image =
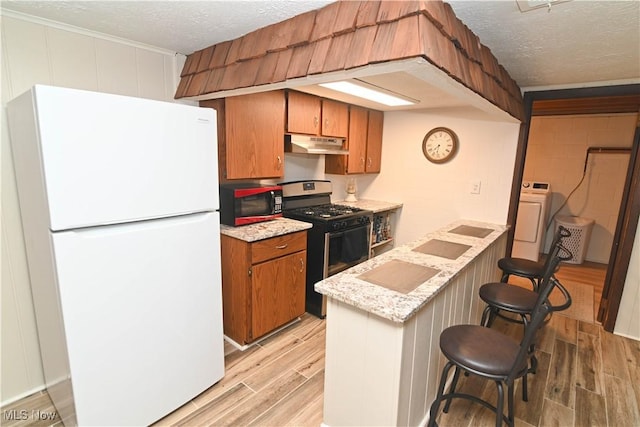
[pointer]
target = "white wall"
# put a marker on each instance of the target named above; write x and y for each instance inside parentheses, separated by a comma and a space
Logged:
(33, 52)
(433, 195)
(627, 323)
(556, 154)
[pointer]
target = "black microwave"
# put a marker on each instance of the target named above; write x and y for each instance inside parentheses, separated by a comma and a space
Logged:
(242, 204)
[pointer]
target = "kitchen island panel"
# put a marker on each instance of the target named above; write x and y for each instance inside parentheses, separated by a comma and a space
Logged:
(363, 353)
(383, 372)
(416, 391)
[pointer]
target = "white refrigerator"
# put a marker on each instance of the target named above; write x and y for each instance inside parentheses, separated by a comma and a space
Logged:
(119, 200)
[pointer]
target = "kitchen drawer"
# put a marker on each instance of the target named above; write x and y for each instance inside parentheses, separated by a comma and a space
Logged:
(275, 247)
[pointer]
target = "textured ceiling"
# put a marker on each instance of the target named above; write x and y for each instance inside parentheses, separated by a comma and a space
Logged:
(575, 43)
(182, 26)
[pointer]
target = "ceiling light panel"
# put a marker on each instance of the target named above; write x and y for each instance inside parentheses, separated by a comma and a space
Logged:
(361, 91)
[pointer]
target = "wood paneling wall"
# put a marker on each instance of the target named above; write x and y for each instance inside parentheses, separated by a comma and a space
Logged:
(587, 105)
(351, 34)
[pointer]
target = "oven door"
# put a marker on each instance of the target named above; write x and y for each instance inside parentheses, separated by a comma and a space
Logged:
(344, 249)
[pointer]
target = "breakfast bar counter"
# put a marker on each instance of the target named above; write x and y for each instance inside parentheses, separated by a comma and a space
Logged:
(384, 319)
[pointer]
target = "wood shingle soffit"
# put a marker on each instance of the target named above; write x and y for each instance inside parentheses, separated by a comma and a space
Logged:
(350, 34)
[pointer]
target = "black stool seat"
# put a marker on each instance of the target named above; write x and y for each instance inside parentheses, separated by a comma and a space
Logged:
(508, 297)
(475, 349)
(532, 270)
(522, 267)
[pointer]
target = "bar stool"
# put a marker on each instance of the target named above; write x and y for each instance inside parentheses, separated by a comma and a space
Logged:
(527, 268)
(492, 355)
(509, 298)
(515, 299)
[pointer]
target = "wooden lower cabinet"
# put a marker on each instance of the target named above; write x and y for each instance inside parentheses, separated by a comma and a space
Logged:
(263, 284)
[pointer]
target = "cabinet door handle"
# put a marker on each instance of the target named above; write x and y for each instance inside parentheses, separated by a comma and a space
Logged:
(369, 162)
(362, 161)
(279, 162)
(301, 265)
(326, 123)
(282, 246)
(315, 121)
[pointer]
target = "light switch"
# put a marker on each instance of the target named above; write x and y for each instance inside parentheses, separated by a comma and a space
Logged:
(474, 186)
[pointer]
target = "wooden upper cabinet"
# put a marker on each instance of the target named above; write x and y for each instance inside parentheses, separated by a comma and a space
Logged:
(357, 141)
(374, 142)
(335, 118)
(312, 115)
(250, 135)
(303, 113)
(364, 144)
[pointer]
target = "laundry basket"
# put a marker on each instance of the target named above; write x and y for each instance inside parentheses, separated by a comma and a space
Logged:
(580, 229)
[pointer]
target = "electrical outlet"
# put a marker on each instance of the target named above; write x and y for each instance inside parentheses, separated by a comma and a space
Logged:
(474, 186)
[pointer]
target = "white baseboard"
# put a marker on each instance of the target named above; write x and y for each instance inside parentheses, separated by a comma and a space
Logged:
(246, 346)
(28, 393)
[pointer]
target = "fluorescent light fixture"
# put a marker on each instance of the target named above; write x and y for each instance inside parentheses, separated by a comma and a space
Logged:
(367, 93)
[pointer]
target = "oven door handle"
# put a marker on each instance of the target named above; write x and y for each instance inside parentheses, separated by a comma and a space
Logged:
(325, 267)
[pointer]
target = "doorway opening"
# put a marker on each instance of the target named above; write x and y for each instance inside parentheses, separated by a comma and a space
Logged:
(611, 101)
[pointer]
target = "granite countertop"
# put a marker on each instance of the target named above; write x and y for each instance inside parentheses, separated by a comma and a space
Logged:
(398, 306)
(264, 230)
(371, 205)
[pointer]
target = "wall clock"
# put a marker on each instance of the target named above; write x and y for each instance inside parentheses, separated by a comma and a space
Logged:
(440, 145)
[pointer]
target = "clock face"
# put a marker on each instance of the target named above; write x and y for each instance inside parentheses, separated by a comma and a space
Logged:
(440, 145)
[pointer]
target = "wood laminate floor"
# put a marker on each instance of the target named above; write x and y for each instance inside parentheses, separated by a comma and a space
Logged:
(586, 377)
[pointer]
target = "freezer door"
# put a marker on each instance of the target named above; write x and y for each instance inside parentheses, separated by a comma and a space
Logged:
(142, 313)
(110, 159)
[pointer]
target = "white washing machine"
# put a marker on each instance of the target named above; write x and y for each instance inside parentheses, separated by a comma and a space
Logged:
(531, 221)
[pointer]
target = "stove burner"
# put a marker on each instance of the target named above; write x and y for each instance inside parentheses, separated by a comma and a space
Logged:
(326, 211)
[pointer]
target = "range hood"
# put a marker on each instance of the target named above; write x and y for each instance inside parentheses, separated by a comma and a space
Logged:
(313, 144)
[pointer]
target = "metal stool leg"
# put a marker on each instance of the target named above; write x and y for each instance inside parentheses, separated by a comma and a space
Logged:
(435, 406)
(510, 412)
(499, 406)
(454, 384)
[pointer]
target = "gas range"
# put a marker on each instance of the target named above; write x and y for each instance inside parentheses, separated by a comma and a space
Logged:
(337, 217)
(338, 239)
(326, 211)
(311, 201)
